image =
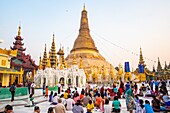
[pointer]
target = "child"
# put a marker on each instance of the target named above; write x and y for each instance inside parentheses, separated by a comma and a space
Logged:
(90, 107)
(46, 92)
(116, 105)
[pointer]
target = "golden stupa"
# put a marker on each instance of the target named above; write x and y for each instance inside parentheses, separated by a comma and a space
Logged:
(85, 48)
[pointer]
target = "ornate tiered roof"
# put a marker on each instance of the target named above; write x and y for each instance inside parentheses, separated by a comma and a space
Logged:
(53, 54)
(18, 43)
(22, 60)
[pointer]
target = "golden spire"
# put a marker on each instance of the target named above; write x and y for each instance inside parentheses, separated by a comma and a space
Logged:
(141, 61)
(74, 59)
(53, 54)
(81, 63)
(40, 64)
(19, 30)
(44, 61)
(48, 63)
(84, 8)
(84, 40)
(159, 67)
(53, 37)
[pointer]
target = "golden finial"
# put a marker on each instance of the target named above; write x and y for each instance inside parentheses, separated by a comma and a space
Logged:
(19, 30)
(84, 8)
(53, 37)
(40, 64)
(45, 48)
(140, 50)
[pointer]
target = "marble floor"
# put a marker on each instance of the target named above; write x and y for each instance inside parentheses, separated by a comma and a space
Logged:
(18, 104)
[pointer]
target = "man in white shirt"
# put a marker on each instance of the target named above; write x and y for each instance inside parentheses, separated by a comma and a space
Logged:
(69, 103)
(59, 88)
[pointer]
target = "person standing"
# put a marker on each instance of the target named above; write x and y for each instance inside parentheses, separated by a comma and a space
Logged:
(129, 99)
(69, 103)
(32, 88)
(12, 90)
(44, 85)
(59, 88)
(29, 87)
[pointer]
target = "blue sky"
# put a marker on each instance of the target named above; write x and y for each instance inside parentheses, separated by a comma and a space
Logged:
(130, 24)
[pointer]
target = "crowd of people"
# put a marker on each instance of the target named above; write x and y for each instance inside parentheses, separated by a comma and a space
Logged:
(98, 98)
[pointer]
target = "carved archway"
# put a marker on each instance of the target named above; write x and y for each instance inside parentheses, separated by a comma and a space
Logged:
(61, 81)
(69, 81)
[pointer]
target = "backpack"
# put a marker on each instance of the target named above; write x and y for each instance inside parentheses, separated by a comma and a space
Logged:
(12, 88)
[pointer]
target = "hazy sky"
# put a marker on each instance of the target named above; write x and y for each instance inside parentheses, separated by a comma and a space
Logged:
(129, 24)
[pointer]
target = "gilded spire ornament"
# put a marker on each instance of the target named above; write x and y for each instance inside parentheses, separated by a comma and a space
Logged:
(19, 30)
(44, 61)
(84, 7)
(159, 67)
(141, 60)
(40, 64)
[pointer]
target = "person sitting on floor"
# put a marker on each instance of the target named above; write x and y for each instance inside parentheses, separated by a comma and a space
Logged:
(155, 104)
(55, 99)
(166, 99)
(140, 93)
(98, 101)
(51, 96)
(148, 93)
(90, 107)
(143, 87)
(6, 109)
(116, 105)
(148, 107)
